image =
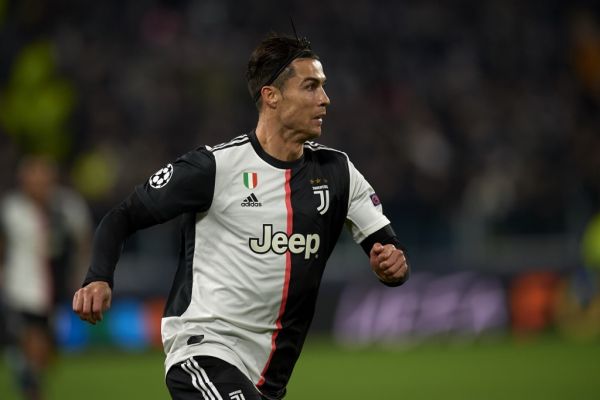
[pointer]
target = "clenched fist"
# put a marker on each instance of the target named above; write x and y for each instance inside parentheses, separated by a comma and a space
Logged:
(388, 263)
(91, 301)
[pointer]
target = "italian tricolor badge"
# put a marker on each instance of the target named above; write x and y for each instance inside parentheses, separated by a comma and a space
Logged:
(250, 179)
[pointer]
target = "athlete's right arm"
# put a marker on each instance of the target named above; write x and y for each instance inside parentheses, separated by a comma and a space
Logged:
(90, 301)
(185, 186)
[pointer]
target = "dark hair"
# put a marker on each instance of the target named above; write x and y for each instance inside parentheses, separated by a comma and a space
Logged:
(270, 60)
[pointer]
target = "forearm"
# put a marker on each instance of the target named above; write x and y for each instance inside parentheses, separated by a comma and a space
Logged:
(111, 234)
(109, 239)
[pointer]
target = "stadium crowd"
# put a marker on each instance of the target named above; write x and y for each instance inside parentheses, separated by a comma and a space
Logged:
(466, 117)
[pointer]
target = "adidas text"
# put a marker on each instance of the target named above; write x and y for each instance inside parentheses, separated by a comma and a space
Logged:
(280, 242)
(251, 201)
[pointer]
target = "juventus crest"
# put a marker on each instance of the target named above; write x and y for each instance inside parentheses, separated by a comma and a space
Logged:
(323, 192)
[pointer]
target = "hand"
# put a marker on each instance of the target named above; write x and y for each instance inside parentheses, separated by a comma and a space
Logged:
(91, 301)
(388, 263)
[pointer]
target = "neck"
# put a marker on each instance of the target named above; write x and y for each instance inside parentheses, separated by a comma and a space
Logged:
(279, 142)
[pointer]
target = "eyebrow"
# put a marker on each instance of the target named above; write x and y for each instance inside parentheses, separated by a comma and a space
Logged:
(313, 79)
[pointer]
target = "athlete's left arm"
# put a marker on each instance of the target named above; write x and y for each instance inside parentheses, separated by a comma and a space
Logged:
(387, 256)
(370, 227)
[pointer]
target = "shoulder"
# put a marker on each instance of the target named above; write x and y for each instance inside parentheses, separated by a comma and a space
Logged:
(199, 157)
(10, 197)
(14, 205)
(235, 142)
(205, 155)
(323, 152)
(69, 199)
(12, 200)
(327, 157)
(67, 195)
(72, 206)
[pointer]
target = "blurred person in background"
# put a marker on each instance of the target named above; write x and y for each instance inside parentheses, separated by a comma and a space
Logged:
(261, 215)
(45, 234)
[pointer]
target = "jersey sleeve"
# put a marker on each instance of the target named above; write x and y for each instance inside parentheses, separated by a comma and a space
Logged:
(365, 213)
(187, 185)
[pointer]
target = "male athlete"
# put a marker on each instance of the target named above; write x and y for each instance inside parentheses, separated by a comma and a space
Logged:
(45, 232)
(260, 216)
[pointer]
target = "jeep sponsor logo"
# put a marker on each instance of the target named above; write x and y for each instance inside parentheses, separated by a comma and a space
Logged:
(280, 242)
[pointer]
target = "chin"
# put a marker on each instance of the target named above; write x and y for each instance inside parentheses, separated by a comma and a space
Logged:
(307, 134)
(312, 135)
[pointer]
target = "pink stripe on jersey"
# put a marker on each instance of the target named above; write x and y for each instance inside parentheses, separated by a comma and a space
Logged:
(288, 269)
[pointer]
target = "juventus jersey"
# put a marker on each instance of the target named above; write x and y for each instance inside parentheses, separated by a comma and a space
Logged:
(257, 233)
(41, 248)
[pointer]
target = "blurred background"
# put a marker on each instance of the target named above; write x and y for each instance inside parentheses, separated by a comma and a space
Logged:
(477, 122)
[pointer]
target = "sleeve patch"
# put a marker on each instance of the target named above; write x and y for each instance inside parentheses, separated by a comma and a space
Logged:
(375, 199)
(161, 177)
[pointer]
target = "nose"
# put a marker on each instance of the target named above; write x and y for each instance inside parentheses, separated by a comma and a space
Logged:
(323, 98)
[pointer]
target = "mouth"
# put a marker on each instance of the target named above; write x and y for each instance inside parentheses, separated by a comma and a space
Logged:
(319, 117)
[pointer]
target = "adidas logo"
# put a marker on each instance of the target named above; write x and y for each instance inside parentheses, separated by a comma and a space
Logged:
(251, 201)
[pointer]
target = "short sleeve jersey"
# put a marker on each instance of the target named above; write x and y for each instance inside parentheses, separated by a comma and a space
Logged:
(40, 249)
(257, 233)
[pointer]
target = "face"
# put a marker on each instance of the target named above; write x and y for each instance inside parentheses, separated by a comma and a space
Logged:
(303, 99)
(38, 178)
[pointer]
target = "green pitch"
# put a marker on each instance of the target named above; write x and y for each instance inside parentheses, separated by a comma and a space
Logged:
(542, 369)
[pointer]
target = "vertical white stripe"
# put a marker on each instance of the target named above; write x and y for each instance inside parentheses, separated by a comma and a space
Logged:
(200, 380)
(208, 382)
(194, 379)
(203, 387)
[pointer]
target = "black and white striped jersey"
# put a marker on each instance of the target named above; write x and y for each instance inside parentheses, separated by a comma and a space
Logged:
(41, 247)
(257, 233)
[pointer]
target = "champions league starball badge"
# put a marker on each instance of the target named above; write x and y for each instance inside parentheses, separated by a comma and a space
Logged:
(161, 177)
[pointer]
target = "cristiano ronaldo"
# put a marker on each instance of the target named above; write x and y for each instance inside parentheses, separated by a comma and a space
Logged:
(260, 216)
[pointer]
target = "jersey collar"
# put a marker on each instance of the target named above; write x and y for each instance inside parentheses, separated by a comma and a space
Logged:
(270, 159)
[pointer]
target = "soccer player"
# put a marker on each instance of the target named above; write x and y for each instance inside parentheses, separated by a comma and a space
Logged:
(260, 216)
(45, 230)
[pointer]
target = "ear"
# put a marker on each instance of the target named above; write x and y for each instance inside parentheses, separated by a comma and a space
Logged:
(271, 96)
